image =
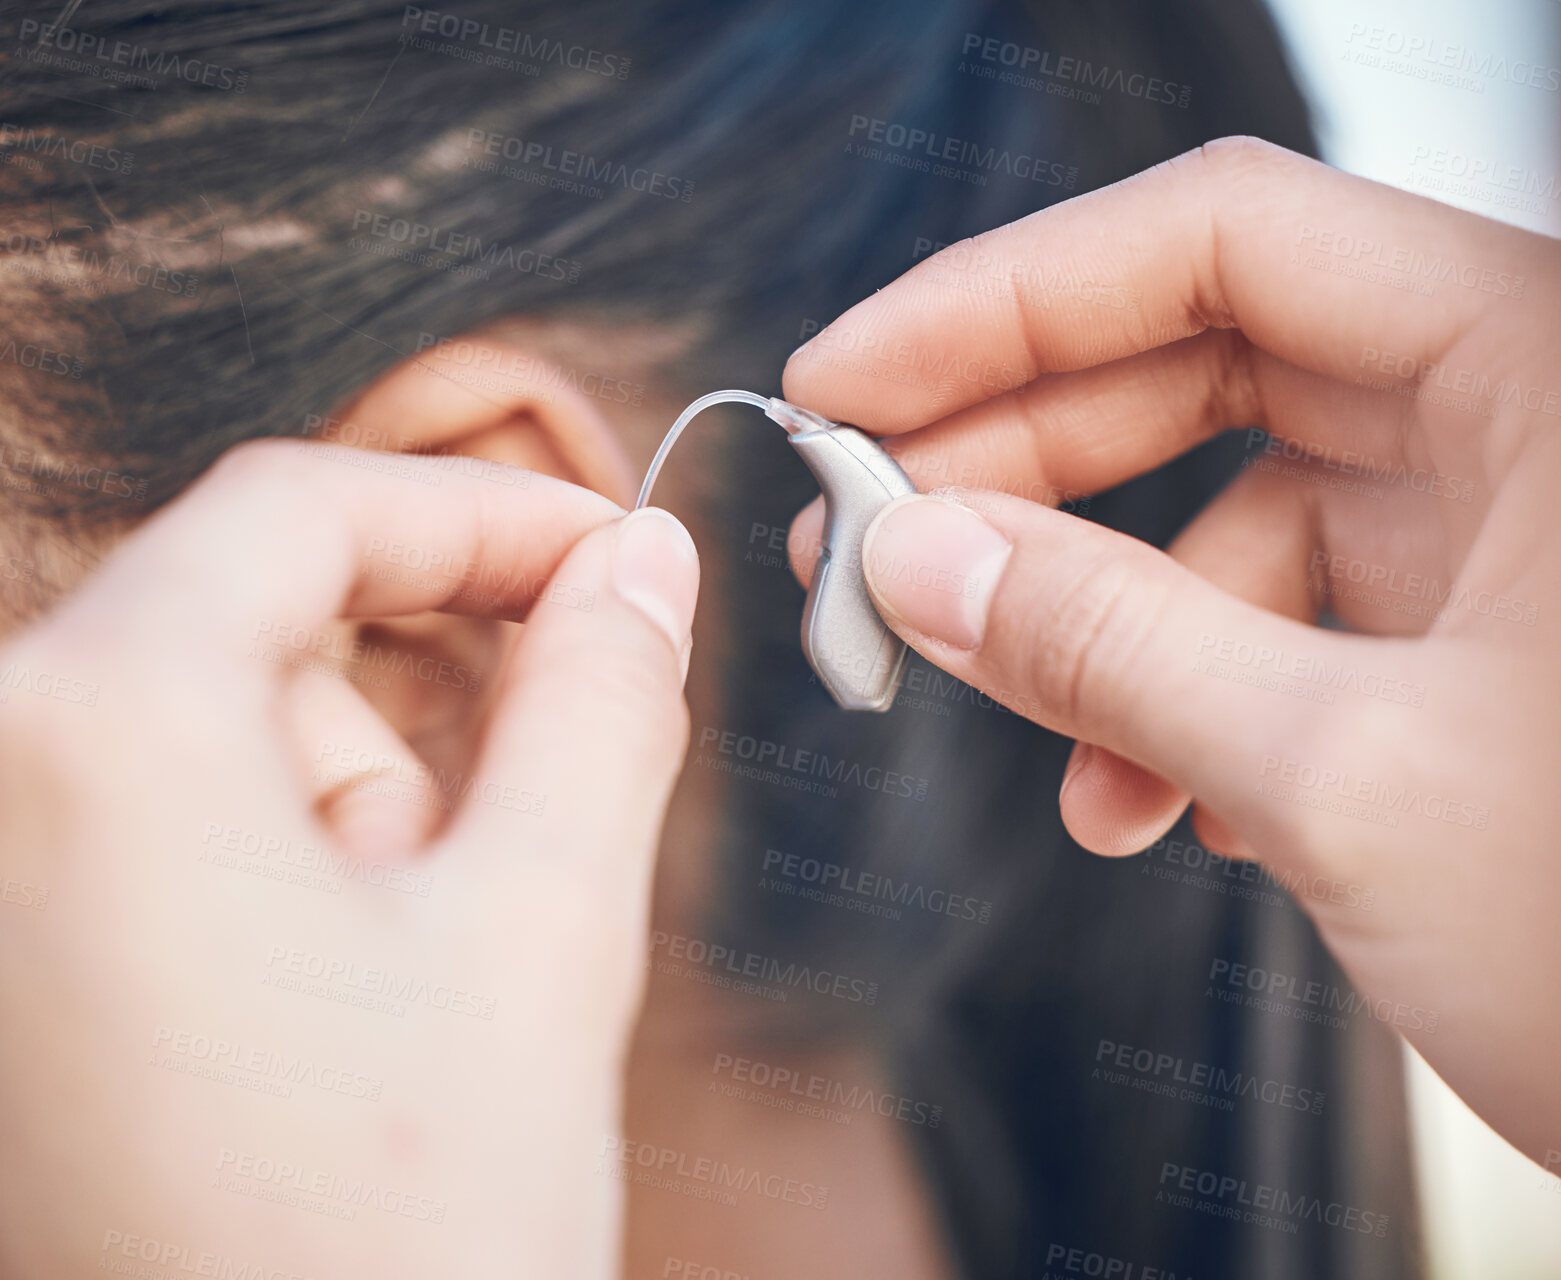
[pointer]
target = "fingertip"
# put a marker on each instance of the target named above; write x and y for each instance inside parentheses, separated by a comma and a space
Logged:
(1113, 807)
(933, 564)
(655, 568)
(590, 703)
(817, 378)
(798, 369)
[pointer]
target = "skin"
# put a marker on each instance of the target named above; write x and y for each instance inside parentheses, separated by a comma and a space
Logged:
(107, 809)
(1225, 289)
(136, 931)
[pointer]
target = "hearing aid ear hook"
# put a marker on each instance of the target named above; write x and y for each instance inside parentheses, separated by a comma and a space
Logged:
(853, 653)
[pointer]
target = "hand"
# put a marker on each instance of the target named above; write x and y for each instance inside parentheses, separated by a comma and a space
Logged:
(1402, 355)
(399, 1058)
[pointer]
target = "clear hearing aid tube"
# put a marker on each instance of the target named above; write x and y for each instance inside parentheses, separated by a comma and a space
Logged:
(684, 418)
(790, 416)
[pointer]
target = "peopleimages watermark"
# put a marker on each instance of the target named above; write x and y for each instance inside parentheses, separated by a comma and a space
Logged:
(927, 151)
(1069, 1260)
(704, 1177)
(1246, 662)
(352, 983)
(40, 471)
(302, 862)
(885, 568)
(689, 1269)
(564, 169)
(437, 569)
(539, 378)
(936, 471)
(261, 1070)
(492, 42)
(285, 643)
(460, 252)
(1064, 76)
(1490, 182)
(1170, 1075)
(1191, 864)
(1467, 390)
(932, 691)
(1396, 472)
(76, 266)
(376, 449)
(864, 891)
(963, 267)
(747, 971)
(380, 773)
(1259, 1204)
(144, 1257)
(808, 1093)
(318, 1190)
(1439, 62)
(1416, 594)
(1269, 991)
(33, 355)
(798, 768)
(21, 141)
(23, 677)
(1408, 268)
(1308, 475)
(19, 893)
(1021, 283)
(353, 435)
(1354, 795)
(896, 360)
(500, 588)
(63, 48)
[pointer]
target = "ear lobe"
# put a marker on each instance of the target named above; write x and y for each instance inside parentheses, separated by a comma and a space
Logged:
(485, 398)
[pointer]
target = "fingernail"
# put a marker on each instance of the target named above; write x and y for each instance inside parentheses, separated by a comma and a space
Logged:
(935, 564)
(656, 569)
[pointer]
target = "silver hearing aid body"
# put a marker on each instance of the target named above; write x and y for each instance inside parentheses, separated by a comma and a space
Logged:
(850, 648)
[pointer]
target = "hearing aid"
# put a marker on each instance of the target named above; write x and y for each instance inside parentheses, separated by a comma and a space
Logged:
(855, 655)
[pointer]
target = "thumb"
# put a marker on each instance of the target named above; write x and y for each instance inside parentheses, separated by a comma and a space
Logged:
(1101, 637)
(590, 717)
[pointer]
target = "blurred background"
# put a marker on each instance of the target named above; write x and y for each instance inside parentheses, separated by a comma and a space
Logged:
(1392, 102)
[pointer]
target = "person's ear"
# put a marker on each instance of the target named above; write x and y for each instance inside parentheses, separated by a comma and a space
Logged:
(429, 676)
(483, 398)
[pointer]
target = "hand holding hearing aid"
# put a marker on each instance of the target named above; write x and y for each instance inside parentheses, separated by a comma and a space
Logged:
(232, 996)
(1402, 357)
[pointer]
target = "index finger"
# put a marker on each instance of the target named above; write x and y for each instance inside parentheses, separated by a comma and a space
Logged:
(281, 532)
(1311, 264)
